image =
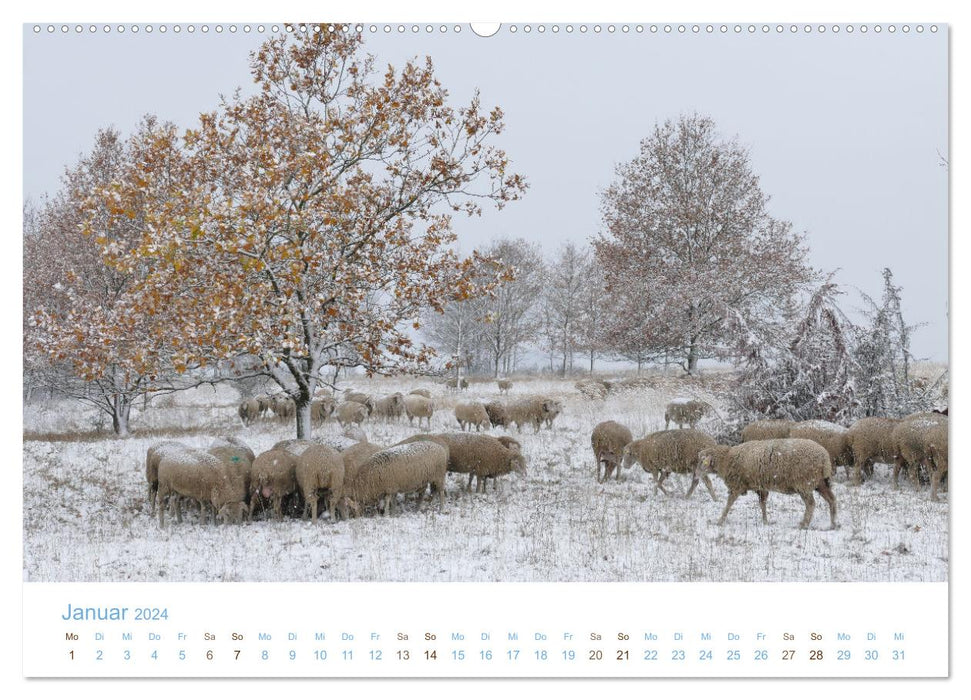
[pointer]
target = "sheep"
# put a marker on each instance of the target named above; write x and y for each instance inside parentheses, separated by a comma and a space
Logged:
(534, 411)
(272, 477)
(400, 469)
(871, 440)
(608, 440)
(909, 437)
(321, 409)
(498, 416)
(480, 456)
(829, 435)
(356, 455)
(239, 459)
(419, 407)
(786, 465)
(352, 412)
(936, 441)
(319, 467)
(360, 398)
(195, 474)
(152, 458)
(472, 413)
(766, 430)
(264, 403)
(592, 389)
(670, 451)
(685, 411)
(454, 383)
(504, 385)
(294, 446)
(249, 411)
(390, 407)
(284, 408)
(230, 441)
(420, 392)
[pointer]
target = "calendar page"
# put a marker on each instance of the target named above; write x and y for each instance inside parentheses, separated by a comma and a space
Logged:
(436, 349)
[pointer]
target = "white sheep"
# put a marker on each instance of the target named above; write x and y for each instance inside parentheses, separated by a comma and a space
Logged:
(608, 440)
(318, 468)
(419, 407)
(472, 413)
(199, 475)
(685, 412)
(787, 465)
(669, 451)
(400, 469)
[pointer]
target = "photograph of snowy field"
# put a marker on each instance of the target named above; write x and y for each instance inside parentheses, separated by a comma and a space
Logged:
(557, 524)
(322, 302)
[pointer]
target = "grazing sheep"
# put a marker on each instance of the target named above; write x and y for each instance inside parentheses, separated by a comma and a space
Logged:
(936, 440)
(273, 478)
(249, 411)
(504, 385)
(321, 409)
(152, 458)
(419, 407)
(195, 474)
(319, 468)
(354, 432)
(236, 458)
(909, 437)
(609, 439)
(400, 469)
(453, 383)
(284, 408)
(361, 398)
(766, 430)
(390, 407)
(498, 416)
(685, 411)
(787, 465)
(671, 451)
(535, 411)
(592, 389)
(420, 392)
(472, 413)
(294, 446)
(352, 412)
(829, 435)
(230, 441)
(356, 455)
(871, 440)
(480, 456)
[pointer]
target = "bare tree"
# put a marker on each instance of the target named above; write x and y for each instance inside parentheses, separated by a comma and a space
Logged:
(689, 242)
(509, 309)
(567, 279)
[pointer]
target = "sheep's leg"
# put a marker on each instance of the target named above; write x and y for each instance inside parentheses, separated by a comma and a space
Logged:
(898, 465)
(728, 506)
(810, 506)
(178, 508)
(763, 501)
(711, 489)
(152, 496)
(480, 485)
(616, 466)
(278, 506)
(692, 486)
(827, 493)
(468, 486)
(312, 502)
(163, 503)
(660, 483)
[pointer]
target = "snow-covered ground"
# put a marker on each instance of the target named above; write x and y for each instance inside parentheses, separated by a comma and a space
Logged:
(86, 516)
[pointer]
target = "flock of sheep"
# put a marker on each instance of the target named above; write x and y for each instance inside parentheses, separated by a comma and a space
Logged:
(233, 483)
(352, 475)
(779, 455)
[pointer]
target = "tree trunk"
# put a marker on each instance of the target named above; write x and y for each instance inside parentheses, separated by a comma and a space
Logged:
(693, 356)
(591, 362)
(640, 363)
(120, 410)
(303, 416)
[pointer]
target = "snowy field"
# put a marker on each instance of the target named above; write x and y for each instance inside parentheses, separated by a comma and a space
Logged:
(86, 517)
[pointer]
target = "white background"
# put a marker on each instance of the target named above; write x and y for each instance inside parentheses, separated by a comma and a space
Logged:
(601, 11)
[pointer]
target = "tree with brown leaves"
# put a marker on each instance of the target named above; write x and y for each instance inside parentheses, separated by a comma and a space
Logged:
(306, 226)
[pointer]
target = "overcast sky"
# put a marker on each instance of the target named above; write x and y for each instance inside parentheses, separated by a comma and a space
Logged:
(845, 130)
